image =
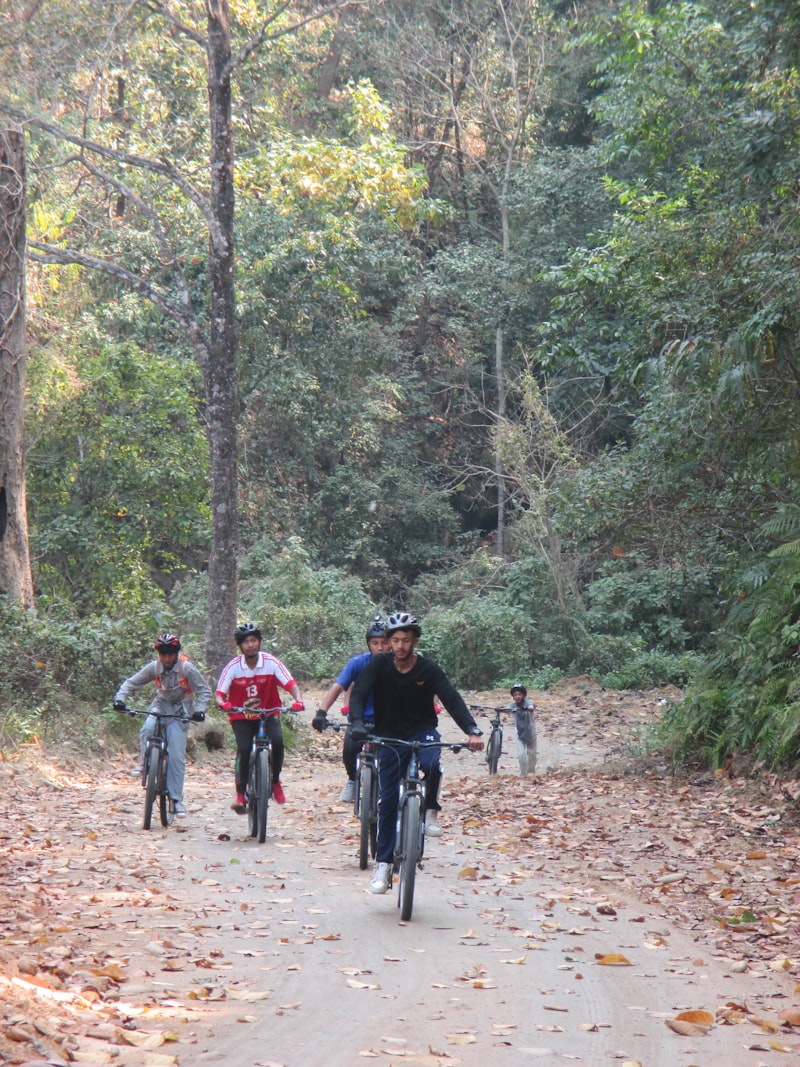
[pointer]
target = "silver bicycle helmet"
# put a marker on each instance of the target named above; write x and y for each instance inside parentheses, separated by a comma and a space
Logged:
(246, 629)
(402, 620)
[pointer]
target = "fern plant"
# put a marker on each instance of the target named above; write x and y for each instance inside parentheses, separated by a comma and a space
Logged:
(748, 700)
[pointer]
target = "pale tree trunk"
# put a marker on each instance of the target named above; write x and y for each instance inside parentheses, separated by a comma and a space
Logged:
(220, 371)
(15, 564)
(500, 366)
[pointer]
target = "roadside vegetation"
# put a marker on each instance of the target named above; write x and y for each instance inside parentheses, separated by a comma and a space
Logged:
(518, 348)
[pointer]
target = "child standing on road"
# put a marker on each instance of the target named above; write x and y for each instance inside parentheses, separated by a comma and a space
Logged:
(525, 729)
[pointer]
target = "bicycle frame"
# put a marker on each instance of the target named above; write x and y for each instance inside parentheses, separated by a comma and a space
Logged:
(410, 827)
(259, 773)
(494, 745)
(154, 767)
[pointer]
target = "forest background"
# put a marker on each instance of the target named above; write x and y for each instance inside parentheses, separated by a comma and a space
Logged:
(515, 344)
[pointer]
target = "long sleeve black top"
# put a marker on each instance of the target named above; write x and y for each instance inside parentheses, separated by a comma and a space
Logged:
(404, 702)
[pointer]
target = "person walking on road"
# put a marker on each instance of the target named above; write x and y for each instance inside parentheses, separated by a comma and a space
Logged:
(251, 681)
(376, 642)
(404, 685)
(524, 728)
(178, 682)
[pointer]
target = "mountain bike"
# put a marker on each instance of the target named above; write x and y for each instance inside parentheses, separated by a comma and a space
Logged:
(154, 766)
(259, 775)
(494, 746)
(410, 833)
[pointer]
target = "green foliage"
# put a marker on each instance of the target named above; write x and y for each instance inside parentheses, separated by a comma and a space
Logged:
(117, 472)
(477, 641)
(747, 699)
(638, 667)
(544, 677)
(652, 603)
(50, 665)
(313, 618)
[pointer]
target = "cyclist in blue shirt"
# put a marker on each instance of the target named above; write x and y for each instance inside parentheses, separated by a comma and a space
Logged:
(376, 642)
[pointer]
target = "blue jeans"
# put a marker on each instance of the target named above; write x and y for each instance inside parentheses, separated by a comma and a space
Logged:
(177, 732)
(392, 764)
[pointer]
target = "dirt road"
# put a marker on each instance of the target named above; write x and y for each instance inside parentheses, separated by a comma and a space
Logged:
(574, 918)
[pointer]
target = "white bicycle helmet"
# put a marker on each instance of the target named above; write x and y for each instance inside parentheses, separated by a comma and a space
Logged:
(402, 620)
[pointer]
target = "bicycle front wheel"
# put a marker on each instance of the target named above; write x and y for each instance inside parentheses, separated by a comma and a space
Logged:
(252, 807)
(150, 785)
(493, 751)
(166, 805)
(263, 790)
(365, 814)
(409, 843)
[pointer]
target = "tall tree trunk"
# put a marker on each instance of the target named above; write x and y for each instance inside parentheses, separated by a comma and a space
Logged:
(220, 372)
(500, 360)
(15, 563)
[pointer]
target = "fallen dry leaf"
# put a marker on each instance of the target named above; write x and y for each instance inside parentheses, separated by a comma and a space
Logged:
(245, 994)
(140, 1038)
(702, 1018)
(686, 1029)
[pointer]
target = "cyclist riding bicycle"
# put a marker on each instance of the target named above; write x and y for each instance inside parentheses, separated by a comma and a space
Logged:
(525, 729)
(376, 642)
(251, 680)
(403, 685)
(178, 682)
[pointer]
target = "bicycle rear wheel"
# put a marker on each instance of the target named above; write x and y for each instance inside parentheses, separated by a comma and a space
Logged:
(409, 844)
(150, 785)
(493, 751)
(365, 814)
(263, 790)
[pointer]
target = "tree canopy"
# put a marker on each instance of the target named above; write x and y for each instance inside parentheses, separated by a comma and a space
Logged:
(511, 279)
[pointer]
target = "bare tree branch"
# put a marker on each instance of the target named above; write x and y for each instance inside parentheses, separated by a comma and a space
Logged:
(166, 13)
(161, 166)
(148, 211)
(182, 316)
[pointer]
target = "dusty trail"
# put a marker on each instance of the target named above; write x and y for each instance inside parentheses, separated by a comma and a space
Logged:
(563, 920)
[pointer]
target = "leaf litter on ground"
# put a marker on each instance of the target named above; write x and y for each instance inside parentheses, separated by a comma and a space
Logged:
(717, 855)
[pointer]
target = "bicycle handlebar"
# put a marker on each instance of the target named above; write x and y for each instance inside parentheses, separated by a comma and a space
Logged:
(454, 746)
(157, 713)
(255, 713)
(333, 725)
(485, 708)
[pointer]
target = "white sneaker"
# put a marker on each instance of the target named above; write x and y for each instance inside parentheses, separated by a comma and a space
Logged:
(380, 879)
(136, 770)
(180, 810)
(347, 795)
(432, 827)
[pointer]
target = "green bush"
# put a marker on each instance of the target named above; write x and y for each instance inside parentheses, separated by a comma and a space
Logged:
(313, 618)
(661, 606)
(478, 641)
(49, 666)
(646, 668)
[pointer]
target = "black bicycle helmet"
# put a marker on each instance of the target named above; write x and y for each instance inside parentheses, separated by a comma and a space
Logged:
(377, 628)
(167, 642)
(246, 629)
(402, 620)
(518, 686)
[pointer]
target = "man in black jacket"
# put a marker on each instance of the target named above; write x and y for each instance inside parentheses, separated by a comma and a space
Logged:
(403, 687)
